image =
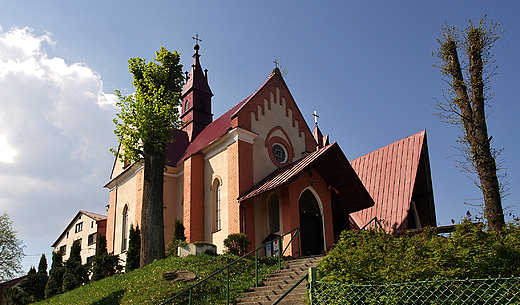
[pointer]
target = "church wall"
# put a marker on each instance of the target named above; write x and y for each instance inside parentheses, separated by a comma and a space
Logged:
(240, 177)
(261, 212)
(194, 198)
(117, 169)
(216, 167)
(169, 207)
(125, 194)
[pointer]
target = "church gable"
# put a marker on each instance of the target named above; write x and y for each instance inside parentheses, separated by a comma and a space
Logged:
(283, 135)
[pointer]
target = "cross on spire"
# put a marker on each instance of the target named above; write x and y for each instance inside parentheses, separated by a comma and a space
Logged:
(276, 64)
(316, 116)
(196, 38)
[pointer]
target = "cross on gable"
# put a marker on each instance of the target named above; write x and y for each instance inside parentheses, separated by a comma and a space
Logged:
(276, 63)
(316, 116)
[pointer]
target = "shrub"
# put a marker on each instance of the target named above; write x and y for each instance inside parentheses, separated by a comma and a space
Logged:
(75, 273)
(55, 282)
(236, 244)
(104, 263)
(133, 255)
(178, 239)
(469, 252)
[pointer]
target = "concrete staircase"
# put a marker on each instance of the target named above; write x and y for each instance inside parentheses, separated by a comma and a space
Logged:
(278, 282)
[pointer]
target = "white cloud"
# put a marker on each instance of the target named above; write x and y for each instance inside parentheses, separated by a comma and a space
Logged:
(7, 153)
(55, 133)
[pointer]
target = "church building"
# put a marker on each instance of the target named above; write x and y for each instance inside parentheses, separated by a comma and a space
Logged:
(258, 169)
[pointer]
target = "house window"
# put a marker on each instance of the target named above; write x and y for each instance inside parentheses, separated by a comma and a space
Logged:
(218, 206)
(124, 239)
(79, 227)
(274, 214)
(90, 260)
(92, 238)
(63, 249)
(92, 224)
(67, 234)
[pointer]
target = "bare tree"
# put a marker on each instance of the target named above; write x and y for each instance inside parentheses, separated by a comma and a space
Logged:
(469, 84)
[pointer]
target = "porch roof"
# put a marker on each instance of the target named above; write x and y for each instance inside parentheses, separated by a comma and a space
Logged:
(348, 193)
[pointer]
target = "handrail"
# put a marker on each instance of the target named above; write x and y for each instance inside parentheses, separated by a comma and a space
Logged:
(290, 289)
(375, 220)
(279, 238)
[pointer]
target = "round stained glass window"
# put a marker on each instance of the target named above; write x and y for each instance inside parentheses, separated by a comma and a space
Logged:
(279, 153)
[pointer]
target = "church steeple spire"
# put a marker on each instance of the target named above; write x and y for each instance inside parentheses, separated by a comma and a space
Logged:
(196, 97)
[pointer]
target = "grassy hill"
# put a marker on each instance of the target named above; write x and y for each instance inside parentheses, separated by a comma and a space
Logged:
(146, 286)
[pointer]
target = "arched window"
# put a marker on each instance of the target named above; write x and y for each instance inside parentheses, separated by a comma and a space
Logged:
(124, 233)
(186, 105)
(274, 214)
(218, 205)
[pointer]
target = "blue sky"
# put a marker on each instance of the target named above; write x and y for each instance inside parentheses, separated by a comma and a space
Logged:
(364, 66)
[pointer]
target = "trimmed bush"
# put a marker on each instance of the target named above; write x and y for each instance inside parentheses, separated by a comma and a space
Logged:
(236, 244)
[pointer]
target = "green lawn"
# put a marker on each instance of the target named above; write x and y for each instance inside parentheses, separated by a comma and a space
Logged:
(147, 286)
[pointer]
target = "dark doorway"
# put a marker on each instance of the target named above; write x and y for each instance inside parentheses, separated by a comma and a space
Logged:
(310, 224)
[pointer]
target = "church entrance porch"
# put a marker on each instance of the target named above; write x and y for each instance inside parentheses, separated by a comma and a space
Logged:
(311, 224)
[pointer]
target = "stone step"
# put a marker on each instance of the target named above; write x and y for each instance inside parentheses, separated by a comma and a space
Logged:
(280, 281)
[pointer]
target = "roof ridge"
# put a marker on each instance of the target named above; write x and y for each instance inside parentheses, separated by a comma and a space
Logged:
(393, 143)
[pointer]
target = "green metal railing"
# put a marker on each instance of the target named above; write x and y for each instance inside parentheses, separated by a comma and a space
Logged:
(294, 233)
(434, 292)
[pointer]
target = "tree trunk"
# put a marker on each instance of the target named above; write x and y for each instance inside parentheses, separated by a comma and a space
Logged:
(473, 117)
(152, 223)
(480, 142)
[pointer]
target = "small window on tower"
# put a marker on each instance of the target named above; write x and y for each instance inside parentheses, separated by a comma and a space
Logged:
(186, 105)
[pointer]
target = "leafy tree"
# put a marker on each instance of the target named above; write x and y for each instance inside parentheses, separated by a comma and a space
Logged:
(55, 282)
(467, 108)
(147, 120)
(134, 248)
(75, 273)
(11, 250)
(236, 244)
(104, 263)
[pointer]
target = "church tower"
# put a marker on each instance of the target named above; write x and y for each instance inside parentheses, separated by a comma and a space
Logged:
(196, 100)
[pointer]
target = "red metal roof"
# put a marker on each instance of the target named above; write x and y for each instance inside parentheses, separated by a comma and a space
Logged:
(284, 175)
(212, 132)
(389, 175)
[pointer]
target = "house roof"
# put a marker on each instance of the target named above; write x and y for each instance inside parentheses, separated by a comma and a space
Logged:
(390, 176)
(333, 167)
(13, 282)
(94, 216)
